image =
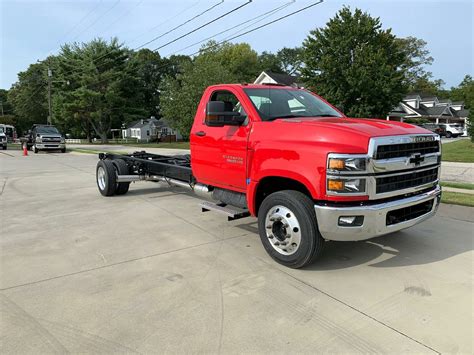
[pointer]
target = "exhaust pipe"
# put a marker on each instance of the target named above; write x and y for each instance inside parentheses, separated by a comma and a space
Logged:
(199, 189)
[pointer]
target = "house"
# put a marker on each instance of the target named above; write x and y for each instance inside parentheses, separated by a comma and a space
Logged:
(268, 77)
(151, 129)
(431, 108)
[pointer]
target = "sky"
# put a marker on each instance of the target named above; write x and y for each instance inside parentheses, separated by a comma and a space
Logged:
(33, 29)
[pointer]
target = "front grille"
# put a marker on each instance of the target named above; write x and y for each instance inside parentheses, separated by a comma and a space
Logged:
(405, 181)
(406, 149)
(51, 140)
(408, 213)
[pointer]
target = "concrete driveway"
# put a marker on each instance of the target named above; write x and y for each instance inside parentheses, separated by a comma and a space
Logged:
(149, 273)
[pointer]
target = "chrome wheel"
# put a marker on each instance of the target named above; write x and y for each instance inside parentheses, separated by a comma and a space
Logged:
(283, 230)
(101, 177)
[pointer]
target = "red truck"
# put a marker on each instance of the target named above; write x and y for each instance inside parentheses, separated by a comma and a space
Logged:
(298, 164)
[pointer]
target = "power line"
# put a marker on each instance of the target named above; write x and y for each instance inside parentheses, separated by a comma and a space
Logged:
(77, 24)
(186, 9)
(202, 26)
(98, 18)
(122, 15)
(181, 25)
(243, 34)
(261, 17)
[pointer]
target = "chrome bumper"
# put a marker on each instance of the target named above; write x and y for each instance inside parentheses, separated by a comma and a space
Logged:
(374, 217)
(50, 145)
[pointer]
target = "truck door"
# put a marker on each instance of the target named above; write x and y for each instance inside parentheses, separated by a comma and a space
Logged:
(219, 154)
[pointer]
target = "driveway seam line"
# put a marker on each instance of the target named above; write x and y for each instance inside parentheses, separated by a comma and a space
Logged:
(119, 263)
(357, 310)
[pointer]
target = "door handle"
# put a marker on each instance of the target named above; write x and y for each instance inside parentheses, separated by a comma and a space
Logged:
(200, 133)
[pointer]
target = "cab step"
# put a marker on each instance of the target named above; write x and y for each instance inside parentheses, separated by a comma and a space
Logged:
(231, 212)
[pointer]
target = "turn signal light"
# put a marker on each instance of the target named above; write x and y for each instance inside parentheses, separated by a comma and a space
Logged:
(336, 164)
(335, 185)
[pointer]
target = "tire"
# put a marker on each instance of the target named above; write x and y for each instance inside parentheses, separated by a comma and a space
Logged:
(35, 150)
(288, 217)
(448, 134)
(63, 150)
(4, 147)
(106, 177)
(122, 169)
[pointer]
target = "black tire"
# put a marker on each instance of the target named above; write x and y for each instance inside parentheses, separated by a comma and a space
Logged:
(4, 147)
(63, 150)
(122, 169)
(311, 241)
(106, 177)
(35, 150)
(448, 134)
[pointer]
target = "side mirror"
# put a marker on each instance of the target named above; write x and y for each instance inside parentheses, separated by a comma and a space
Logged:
(217, 116)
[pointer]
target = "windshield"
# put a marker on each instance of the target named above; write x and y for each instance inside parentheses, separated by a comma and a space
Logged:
(274, 103)
(47, 130)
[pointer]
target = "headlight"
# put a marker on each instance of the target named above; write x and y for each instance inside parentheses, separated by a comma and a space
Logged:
(346, 185)
(347, 164)
(39, 139)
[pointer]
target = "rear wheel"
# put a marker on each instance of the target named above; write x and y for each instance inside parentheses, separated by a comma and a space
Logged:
(106, 177)
(122, 169)
(288, 228)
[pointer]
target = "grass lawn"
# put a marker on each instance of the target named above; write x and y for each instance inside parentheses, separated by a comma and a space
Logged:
(456, 198)
(458, 185)
(172, 145)
(459, 151)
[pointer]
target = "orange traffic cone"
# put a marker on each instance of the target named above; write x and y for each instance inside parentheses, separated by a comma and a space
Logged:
(25, 150)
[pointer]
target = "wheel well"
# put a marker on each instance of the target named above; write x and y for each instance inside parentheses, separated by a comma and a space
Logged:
(271, 184)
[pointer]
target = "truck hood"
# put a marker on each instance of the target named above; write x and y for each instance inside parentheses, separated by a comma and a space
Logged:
(336, 135)
(367, 127)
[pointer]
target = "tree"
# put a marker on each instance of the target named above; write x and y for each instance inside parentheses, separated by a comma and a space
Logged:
(291, 60)
(103, 90)
(269, 62)
(465, 92)
(181, 95)
(28, 96)
(355, 63)
(417, 57)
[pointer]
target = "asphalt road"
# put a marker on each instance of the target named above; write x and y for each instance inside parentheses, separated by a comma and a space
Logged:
(149, 273)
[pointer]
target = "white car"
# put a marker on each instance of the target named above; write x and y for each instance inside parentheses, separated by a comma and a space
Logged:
(3, 139)
(452, 129)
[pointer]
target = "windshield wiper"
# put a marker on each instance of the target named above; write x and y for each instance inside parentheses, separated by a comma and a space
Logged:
(285, 116)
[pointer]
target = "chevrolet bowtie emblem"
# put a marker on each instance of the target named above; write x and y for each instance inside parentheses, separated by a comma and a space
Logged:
(416, 159)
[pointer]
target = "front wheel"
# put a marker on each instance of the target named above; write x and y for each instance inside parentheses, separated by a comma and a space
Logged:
(4, 147)
(288, 228)
(35, 150)
(448, 135)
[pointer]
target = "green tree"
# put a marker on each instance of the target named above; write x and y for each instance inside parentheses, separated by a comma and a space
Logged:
(103, 86)
(269, 62)
(28, 96)
(355, 63)
(417, 58)
(290, 60)
(181, 95)
(465, 92)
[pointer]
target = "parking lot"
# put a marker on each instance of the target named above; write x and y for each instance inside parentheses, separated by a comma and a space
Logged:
(148, 272)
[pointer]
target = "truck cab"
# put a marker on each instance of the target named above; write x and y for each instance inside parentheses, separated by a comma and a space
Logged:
(306, 171)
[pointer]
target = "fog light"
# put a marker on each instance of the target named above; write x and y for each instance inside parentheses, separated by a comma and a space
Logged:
(351, 221)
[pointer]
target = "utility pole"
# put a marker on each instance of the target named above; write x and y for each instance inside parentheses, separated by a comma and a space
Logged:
(50, 115)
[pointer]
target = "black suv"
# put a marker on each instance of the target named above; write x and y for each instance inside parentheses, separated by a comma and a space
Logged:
(435, 128)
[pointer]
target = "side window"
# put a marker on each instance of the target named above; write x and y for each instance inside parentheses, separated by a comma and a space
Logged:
(231, 103)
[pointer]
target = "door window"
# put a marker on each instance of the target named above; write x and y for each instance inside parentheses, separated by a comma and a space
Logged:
(231, 103)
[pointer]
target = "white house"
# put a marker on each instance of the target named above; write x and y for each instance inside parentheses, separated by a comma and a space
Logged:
(268, 77)
(431, 108)
(151, 129)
